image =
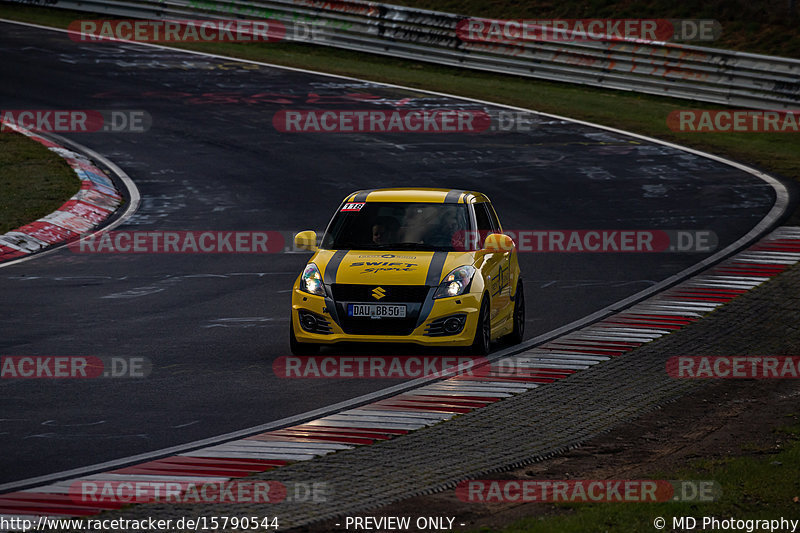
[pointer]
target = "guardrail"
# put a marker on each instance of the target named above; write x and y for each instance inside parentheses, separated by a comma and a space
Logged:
(661, 68)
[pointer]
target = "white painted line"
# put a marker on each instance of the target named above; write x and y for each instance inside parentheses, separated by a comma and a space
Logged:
(730, 279)
(470, 387)
(499, 386)
(735, 285)
(251, 455)
(280, 444)
(573, 341)
(360, 420)
(352, 424)
(622, 327)
(561, 354)
(612, 332)
(556, 366)
(558, 360)
(149, 477)
(611, 338)
(644, 308)
(275, 449)
(432, 392)
(771, 254)
(691, 306)
(423, 414)
(768, 261)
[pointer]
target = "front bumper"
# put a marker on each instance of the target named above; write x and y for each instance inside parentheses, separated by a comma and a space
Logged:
(466, 305)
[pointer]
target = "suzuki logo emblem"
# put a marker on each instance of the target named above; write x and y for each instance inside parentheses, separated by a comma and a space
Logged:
(378, 293)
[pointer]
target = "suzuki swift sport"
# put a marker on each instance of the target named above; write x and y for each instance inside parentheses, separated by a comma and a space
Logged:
(425, 266)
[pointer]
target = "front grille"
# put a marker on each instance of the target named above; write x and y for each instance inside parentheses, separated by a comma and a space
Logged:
(413, 296)
(383, 326)
(343, 292)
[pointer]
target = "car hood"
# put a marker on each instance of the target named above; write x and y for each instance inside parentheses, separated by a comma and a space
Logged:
(391, 268)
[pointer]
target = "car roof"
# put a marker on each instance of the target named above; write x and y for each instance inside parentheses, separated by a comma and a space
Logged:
(423, 194)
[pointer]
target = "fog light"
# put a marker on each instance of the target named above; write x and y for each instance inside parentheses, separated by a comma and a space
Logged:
(452, 325)
(308, 321)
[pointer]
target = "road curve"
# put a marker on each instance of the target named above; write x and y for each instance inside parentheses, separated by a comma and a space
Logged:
(212, 324)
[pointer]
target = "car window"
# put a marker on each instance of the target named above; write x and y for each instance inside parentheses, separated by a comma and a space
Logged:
(482, 219)
(487, 222)
(496, 227)
(398, 226)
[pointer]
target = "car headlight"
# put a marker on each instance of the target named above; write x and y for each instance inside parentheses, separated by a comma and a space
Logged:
(311, 280)
(456, 282)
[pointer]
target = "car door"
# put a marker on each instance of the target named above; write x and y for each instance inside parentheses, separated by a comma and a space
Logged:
(505, 304)
(497, 266)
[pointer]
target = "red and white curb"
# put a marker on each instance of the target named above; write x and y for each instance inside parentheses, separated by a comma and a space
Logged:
(92, 204)
(388, 418)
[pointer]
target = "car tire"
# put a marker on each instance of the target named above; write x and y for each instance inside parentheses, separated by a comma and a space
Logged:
(300, 348)
(483, 335)
(518, 333)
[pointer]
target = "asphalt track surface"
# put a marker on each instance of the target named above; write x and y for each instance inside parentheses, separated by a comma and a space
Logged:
(213, 324)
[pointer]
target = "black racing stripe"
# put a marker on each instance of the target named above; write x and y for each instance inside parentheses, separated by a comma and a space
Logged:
(362, 196)
(427, 306)
(452, 197)
(330, 278)
(333, 266)
(432, 281)
(435, 269)
(330, 305)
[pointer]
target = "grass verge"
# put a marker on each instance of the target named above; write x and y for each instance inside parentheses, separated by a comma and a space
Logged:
(35, 181)
(761, 485)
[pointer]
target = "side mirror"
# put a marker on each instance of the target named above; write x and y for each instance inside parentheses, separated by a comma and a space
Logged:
(306, 240)
(498, 243)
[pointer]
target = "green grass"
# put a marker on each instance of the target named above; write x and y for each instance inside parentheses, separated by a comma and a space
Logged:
(759, 485)
(34, 181)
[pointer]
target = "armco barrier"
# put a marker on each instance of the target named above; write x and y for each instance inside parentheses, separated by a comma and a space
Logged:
(662, 68)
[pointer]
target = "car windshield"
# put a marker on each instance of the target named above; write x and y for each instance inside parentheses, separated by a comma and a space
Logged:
(398, 226)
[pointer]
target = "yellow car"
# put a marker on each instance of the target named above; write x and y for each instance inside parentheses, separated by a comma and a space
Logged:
(425, 266)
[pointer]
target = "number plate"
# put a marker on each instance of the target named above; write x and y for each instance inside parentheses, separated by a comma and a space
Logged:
(376, 310)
